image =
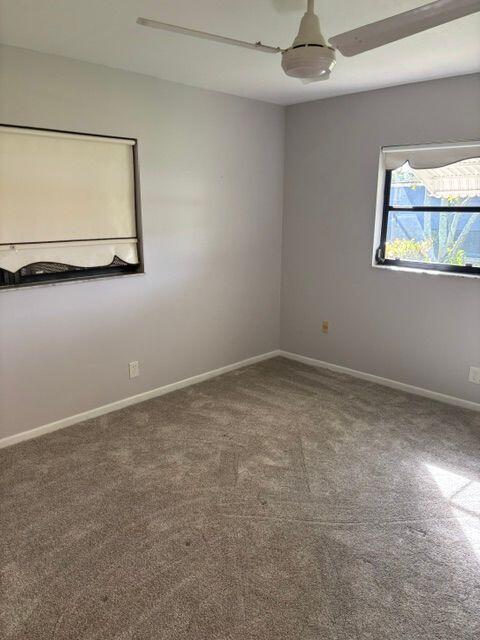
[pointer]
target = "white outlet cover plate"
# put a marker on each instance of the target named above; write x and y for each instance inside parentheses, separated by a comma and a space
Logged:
(474, 375)
(134, 369)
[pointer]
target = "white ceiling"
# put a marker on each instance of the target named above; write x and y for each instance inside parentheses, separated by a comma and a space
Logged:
(105, 32)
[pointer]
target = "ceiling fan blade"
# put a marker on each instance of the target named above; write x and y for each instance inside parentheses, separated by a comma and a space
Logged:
(402, 25)
(258, 46)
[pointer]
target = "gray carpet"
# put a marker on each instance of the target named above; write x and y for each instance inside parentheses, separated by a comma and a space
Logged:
(275, 502)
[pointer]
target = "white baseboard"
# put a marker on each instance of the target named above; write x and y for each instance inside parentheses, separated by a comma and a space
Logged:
(394, 384)
(160, 391)
(126, 402)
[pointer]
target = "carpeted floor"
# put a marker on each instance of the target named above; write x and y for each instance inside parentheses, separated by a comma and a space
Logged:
(275, 502)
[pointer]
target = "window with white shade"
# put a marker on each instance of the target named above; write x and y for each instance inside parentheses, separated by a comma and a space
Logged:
(429, 198)
(68, 206)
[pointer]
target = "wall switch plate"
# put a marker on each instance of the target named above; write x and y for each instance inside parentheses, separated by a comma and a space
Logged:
(474, 375)
(134, 369)
(325, 326)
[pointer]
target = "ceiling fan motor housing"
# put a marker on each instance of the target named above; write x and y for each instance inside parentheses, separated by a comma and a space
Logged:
(309, 56)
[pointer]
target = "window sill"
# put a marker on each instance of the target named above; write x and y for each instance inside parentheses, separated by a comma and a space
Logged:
(59, 283)
(428, 272)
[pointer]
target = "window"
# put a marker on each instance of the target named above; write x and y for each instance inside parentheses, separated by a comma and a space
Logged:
(431, 208)
(69, 206)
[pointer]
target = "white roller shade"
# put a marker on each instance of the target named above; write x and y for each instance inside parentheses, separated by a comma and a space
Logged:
(65, 198)
(430, 156)
(79, 254)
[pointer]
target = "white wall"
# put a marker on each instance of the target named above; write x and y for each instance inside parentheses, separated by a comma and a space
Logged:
(211, 170)
(423, 330)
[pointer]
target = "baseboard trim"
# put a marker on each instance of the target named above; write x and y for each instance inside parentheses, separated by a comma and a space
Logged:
(160, 391)
(386, 382)
(126, 402)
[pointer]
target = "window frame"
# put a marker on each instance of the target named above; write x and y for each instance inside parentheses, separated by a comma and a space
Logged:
(380, 259)
(10, 280)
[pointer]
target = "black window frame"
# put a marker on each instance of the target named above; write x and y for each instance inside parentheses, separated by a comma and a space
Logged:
(9, 280)
(407, 264)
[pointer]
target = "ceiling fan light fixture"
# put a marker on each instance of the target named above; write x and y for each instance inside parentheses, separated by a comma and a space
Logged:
(308, 61)
(309, 56)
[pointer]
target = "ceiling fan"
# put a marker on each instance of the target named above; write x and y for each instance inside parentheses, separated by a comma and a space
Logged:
(311, 58)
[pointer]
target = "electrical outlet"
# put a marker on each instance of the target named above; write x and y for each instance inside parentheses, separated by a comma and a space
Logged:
(325, 326)
(474, 375)
(134, 369)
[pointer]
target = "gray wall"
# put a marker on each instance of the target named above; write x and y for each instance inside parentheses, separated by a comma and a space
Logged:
(212, 190)
(212, 194)
(419, 329)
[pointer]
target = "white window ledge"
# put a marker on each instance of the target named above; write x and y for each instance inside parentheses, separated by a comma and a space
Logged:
(428, 272)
